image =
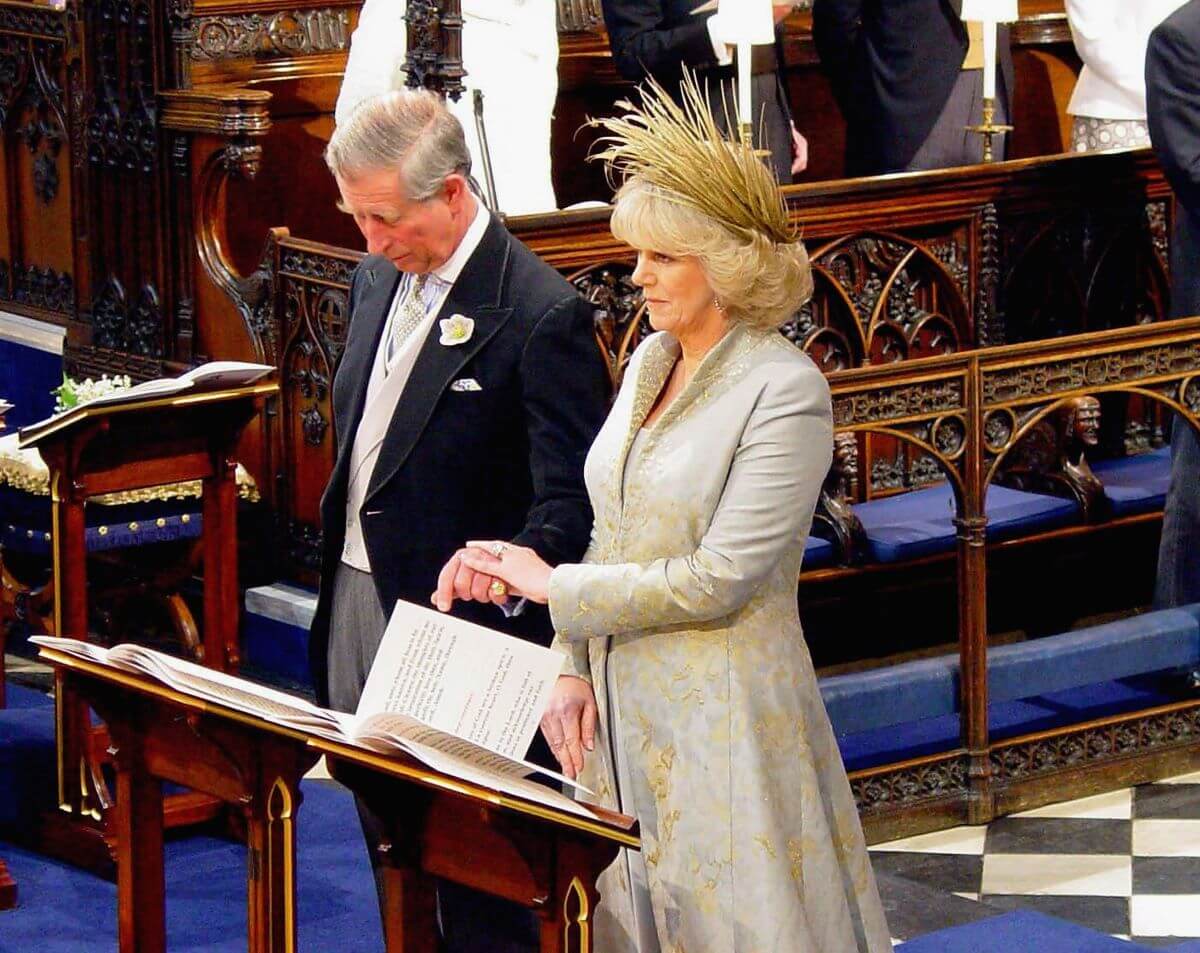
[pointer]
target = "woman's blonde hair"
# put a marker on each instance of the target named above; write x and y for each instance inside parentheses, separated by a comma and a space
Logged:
(759, 281)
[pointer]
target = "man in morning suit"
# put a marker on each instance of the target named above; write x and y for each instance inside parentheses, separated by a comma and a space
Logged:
(468, 394)
(1173, 115)
(662, 38)
(908, 77)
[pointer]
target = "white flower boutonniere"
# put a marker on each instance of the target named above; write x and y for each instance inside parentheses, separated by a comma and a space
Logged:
(456, 329)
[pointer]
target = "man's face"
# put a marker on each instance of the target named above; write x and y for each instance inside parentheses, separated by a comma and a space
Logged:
(416, 237)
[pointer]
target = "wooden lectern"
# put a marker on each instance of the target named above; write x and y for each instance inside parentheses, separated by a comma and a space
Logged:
(544, 857)
(115, 447)
(8, 887)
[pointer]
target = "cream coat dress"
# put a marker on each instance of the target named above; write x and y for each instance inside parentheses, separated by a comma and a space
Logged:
(683, 616)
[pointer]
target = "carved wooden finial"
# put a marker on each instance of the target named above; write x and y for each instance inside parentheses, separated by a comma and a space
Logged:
(434, 59)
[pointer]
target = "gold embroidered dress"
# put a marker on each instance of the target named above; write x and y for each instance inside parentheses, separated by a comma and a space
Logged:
(684, 614)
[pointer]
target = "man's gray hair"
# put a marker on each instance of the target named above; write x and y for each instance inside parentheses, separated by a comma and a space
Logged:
(408, 130)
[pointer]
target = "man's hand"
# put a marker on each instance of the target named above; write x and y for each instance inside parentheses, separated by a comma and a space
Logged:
(459, 581)
(799, 151)
(569, 723)
(520, 568)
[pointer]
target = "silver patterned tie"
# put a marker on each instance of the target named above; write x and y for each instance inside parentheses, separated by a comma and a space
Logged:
(412, 313)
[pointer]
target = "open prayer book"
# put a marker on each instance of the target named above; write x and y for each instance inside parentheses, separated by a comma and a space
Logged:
(215, 375)
(461, 698)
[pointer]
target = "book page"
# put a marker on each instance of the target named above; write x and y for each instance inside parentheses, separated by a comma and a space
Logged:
(218, 375)
(461, 678)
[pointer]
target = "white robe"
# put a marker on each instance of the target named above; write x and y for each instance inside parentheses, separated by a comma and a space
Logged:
(510, 52)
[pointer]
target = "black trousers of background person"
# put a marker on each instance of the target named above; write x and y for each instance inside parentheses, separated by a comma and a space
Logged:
(950, 143)
(470, 921)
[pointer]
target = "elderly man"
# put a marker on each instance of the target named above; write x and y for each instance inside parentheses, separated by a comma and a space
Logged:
(510, 54)
(1173, 115)
(466, 399)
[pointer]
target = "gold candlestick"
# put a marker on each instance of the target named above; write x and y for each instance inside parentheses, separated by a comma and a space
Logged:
(989, 128)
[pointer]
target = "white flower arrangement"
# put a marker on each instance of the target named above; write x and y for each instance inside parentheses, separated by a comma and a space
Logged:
(71, 392)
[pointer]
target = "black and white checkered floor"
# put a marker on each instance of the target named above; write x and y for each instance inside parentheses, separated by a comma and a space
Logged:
(1125, 863)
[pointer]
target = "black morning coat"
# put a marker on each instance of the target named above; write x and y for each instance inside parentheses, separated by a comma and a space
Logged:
(893, 65)
(1173, 115)
(501, 462)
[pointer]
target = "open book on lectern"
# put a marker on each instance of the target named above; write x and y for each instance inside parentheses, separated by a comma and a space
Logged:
(459, 697)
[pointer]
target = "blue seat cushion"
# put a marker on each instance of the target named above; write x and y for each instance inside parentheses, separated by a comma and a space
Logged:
(25, 522)
(817, 552)
(1165, 639)
(1136, 484)
(18, 696)
(892, 695)
(921, 522)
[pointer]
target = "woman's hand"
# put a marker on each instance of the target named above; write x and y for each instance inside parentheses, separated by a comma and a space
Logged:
(522, 570)
(457, 581)
(569, 723)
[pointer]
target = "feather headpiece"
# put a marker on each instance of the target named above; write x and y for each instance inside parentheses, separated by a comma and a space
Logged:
(680, 151)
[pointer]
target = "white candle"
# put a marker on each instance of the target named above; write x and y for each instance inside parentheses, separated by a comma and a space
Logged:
(989, 59)
(745, 105)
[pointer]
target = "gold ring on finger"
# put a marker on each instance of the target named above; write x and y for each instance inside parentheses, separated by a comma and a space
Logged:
(498, 588)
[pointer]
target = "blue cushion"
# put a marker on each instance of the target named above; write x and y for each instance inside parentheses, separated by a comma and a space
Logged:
(1100, 653)
(1136, 484)
(921, 522)
(892, 695)
(25, 522)
(817, 552)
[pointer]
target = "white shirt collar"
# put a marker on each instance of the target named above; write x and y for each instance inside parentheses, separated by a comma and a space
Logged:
(449, 270)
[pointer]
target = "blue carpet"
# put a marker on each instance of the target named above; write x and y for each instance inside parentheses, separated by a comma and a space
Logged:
(1022, 930)
(63, 910)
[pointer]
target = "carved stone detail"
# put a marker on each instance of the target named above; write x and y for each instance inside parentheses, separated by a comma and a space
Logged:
(889, 790)
(287, 33)
(1071, 749)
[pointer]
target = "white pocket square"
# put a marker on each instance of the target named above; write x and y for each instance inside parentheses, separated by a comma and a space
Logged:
(465, 384)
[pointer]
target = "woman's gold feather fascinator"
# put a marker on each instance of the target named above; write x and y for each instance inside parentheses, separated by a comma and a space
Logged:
(679, 150)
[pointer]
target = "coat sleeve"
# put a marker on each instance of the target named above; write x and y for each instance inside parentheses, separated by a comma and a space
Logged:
(766, 506)
(642, 42)
(564, 392)
(1173, 108)
(1099, 42)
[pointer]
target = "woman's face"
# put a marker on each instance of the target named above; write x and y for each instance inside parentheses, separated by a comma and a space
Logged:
(678, 297)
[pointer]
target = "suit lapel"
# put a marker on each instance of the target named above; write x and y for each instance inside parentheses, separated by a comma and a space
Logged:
(371, 310)
(477, 294)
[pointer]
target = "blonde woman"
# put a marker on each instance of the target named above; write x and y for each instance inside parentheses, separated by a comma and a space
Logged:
(691, 700)
(1108, 106)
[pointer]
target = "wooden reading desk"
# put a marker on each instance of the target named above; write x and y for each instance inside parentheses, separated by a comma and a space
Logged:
(545, 858)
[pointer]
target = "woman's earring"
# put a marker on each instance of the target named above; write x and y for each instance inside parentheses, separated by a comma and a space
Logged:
(718, 304)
